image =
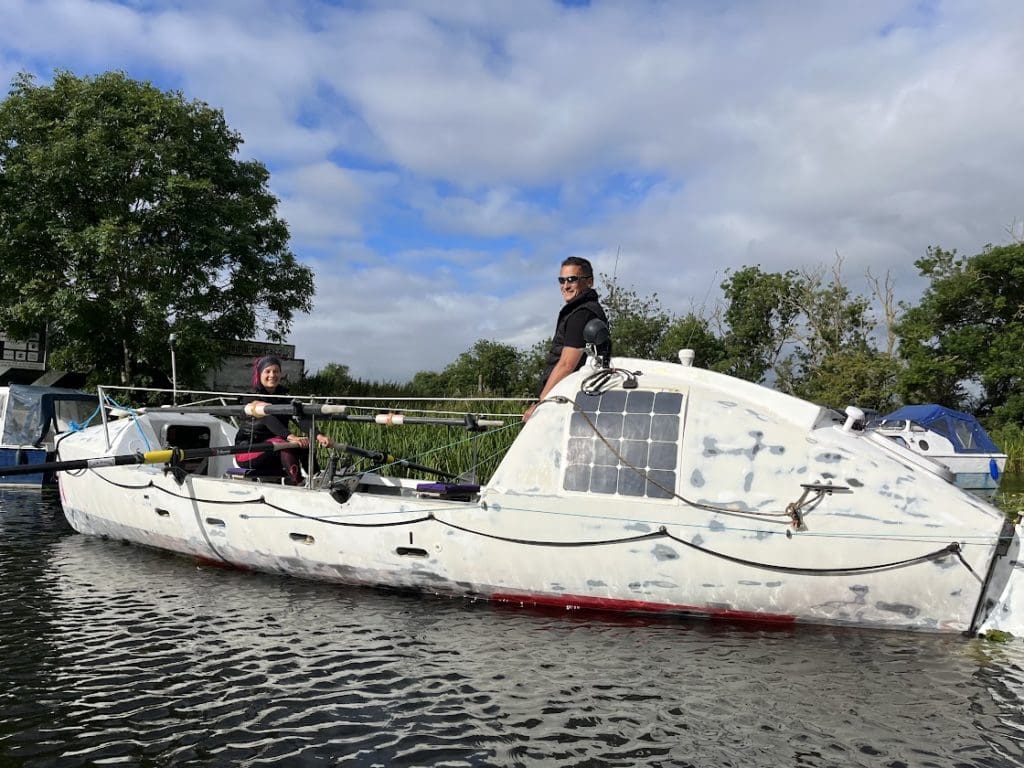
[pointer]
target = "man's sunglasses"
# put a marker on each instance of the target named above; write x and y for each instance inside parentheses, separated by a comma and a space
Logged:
(572, 279)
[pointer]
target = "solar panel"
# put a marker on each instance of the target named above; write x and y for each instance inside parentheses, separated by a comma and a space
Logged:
(634, 450)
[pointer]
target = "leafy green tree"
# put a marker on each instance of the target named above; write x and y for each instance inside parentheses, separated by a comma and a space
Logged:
(833, 354)
(963, 342)
(810, 334)
(332, 379)
(761, 320)
(692, 332)
(489, 367)
(853, 376)
(637, 323)
(126, 215)
(428, 384)
(531, 366)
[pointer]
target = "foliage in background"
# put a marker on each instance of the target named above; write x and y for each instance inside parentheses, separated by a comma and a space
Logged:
(641, 327)
(638, 323)
(963, 341)
(1010, 439)
(759, 320)
(125, 215)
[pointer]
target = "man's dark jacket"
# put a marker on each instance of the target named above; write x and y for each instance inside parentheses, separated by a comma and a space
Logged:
(569, 330)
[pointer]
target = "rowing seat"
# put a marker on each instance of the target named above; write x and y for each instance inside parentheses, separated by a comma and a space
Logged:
(255, 475)
(451, 491)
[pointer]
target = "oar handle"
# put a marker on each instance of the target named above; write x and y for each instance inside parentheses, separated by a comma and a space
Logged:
(161, 456)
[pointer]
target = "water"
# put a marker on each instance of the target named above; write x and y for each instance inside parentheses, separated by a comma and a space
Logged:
(118, 655)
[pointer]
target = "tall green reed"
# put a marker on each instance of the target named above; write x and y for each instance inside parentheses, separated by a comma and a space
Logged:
(473, 456)
(1010, 439)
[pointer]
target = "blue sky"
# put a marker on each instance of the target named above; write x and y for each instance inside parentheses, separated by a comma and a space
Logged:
(436, 160)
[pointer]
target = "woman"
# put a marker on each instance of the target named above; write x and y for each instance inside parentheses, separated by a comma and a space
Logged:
(266, 380)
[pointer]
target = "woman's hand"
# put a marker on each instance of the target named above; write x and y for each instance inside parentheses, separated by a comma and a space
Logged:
(325, 441)
(300, 440)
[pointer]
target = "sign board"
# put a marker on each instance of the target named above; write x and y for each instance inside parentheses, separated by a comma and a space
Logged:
(254, 349)
(29, 354)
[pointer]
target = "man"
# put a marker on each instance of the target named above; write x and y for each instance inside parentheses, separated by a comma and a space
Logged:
(576, 282)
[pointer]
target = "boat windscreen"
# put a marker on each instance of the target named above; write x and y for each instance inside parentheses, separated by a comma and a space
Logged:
(961, 429)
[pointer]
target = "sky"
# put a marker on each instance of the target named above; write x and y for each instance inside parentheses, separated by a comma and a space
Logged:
(436, 160)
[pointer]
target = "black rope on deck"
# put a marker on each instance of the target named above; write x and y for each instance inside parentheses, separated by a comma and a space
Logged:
(953, 548)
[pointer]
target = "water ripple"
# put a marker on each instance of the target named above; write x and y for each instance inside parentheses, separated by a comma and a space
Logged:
(123, 656)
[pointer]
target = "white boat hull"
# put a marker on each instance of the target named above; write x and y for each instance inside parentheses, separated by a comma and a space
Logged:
(974, 473)
(459, 548)
(892, 547)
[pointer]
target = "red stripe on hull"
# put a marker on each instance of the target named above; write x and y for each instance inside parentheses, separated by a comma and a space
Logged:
(578, 602)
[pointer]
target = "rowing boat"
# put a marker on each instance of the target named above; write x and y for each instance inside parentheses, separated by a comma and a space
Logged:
(637, 486)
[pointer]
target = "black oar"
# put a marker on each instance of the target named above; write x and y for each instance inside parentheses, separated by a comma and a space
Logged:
(383, 458)
(330, 412)
(162, 456)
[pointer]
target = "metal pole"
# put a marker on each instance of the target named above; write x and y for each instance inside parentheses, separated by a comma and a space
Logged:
(174, 370)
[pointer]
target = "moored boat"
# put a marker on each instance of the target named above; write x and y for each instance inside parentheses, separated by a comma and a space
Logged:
(644, 487)
(954, 439)
(31, 419)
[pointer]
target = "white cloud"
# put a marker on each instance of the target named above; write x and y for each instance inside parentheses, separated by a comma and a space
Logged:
(436, 160)
(323, 203)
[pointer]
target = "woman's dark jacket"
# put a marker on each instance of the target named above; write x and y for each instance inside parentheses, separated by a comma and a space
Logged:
(252, 430)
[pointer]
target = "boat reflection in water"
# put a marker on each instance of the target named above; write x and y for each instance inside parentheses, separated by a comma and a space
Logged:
(128, 655)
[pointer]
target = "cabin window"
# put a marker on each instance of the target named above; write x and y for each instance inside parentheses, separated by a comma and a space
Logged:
(966, 436)
(639, 429)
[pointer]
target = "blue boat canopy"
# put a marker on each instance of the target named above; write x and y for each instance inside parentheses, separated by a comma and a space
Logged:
(33, 412)
(961, 429)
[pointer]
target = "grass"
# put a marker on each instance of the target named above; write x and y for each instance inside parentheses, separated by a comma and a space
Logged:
(1010, 439)
(472, 455)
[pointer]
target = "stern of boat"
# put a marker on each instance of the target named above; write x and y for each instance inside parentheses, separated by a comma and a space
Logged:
(1002, 606)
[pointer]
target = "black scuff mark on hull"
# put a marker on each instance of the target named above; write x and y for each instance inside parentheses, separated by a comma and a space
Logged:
(663, 553)
(910, 611)
(859, 600)
(829, 458)
(641, 527)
